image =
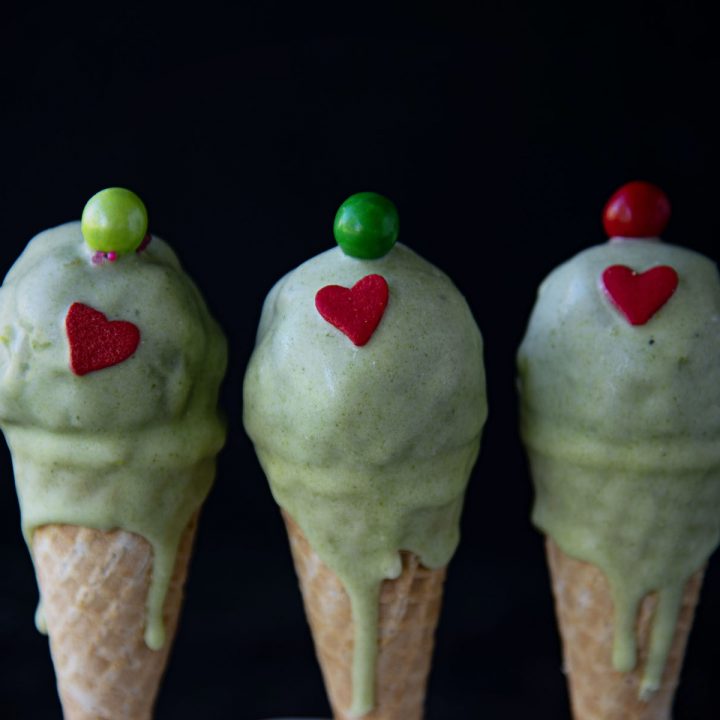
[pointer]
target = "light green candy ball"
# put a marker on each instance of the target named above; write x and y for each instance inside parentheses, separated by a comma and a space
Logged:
(114, 220)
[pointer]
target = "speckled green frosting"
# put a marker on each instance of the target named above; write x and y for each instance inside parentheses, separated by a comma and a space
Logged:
(369, 448)
(622, 427)
(131, 446)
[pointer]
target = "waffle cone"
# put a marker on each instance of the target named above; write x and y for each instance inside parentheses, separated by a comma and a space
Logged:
(584, 609)
(409, 611)
(94, 588)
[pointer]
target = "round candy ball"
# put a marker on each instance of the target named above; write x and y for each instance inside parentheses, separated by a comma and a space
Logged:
(636, 210)
(366, 225)
(114, 220)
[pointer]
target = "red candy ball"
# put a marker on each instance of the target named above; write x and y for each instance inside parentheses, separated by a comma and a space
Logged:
(637, 210)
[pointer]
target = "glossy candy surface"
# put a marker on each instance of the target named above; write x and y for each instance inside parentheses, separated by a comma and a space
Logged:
(638, 296)
(114, 221)
(636, 210)
(366, 225)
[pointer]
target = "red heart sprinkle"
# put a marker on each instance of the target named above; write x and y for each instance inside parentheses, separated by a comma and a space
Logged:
(355, 311)
(96, 342)
(639, 296)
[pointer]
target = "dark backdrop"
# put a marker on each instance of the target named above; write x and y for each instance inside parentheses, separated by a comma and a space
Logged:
(498, 131)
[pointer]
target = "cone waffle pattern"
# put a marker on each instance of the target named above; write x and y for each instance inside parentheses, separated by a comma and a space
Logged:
(409, 611)
(585, 614)
(94, 587)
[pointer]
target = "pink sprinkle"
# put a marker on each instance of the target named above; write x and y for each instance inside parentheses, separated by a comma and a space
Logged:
(98, 257)
(111, 256)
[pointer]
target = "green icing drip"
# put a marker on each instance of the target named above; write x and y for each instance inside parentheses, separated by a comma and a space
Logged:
(357, 521)
(40, 623)
(369, 449)
(670, 602)
(131, 446)
(124, 494)
(622, 426)
(364, 599)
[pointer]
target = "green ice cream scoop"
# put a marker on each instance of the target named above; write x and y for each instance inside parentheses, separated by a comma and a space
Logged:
(368, 444)
(109, 377)
(619, 379)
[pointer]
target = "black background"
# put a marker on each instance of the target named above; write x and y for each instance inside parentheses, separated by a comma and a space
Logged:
(499, 131)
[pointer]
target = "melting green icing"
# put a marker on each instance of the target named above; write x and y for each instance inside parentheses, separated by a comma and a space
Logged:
(622, 427)
(357, 521)
(368, 449)
(131, 446)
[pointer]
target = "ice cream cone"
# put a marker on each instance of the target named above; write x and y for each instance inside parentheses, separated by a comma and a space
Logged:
(365, 400)
(94, 587)
(409, 611)
(110, 367)
(584, 609)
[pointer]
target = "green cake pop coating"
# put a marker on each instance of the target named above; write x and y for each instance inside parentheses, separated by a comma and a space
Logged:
(132, 446)
(114, 220)
(366, 226)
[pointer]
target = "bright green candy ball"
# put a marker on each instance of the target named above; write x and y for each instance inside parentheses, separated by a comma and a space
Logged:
(366, 225)
(114, 220)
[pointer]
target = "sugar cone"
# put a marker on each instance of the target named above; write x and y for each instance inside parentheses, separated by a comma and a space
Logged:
(94, 588)
(409, 611)
(585, 614)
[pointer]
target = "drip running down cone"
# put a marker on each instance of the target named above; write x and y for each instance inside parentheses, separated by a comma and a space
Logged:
(585, 615)
(409, 611)
(94, 587)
